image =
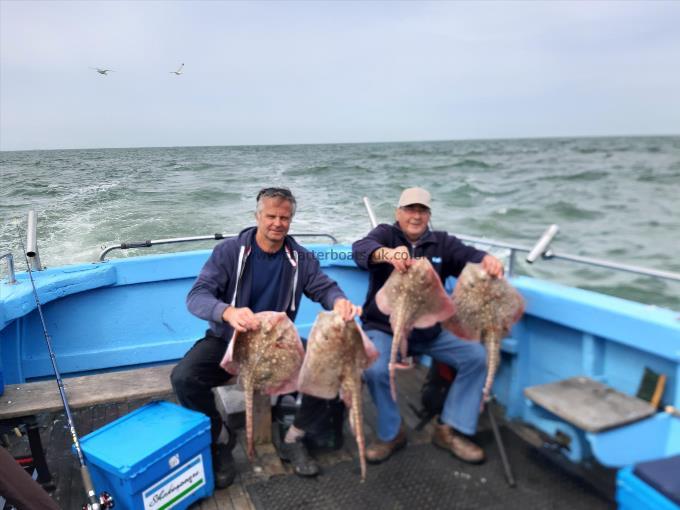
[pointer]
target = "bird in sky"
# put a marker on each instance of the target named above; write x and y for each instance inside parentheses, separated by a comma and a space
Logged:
(179, 70)
(102, 71)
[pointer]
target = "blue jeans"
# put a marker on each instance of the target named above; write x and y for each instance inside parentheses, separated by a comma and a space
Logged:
(461, 408)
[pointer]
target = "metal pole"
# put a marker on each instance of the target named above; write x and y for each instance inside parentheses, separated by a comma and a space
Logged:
(31, 249)
(543, 244)
(155, 242)
(615, 265)
(501, 447)
(511, 263)
(10, 267)
(369, 210)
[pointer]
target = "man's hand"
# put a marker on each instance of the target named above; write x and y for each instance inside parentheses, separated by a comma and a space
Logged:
(493, 266)
(346, 309)
(399, 257)
(241, 319)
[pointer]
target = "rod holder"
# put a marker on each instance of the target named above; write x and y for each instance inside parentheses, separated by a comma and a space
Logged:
(32, 241)
(543, 244)
(371, 214)
(511, 263)
(10, 267)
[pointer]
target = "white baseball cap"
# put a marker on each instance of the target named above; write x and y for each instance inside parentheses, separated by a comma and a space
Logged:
(412, 196)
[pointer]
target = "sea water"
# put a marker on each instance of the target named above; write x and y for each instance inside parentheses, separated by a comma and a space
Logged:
(614, 198)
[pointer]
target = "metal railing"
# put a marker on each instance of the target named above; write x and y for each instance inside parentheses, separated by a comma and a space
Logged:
(212, 237)
(542, 249)
(549, 254)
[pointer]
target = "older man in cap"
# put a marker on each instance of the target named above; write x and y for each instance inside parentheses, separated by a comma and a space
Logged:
(393, 247)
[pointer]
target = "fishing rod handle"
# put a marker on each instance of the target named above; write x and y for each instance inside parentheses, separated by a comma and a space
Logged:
(103, 502)
(87, 484)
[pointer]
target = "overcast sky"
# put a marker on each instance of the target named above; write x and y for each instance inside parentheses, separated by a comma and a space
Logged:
(315, 72)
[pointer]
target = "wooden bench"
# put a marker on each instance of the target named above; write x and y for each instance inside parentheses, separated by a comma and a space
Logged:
(21, 403)
(33, 398)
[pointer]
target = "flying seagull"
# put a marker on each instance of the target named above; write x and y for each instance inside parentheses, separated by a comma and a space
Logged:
(102, 71)
(179, 70)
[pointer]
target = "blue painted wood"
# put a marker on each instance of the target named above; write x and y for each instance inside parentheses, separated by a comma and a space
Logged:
(653, 438)
(646, 327)
(51, 284)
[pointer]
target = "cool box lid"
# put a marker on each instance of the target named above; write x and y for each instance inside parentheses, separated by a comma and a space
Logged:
(130, 444)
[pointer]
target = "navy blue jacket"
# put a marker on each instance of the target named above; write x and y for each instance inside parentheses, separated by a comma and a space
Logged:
(447, 254)
(224, 282)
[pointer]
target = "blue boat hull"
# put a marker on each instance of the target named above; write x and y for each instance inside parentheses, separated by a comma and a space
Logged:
(130, 312)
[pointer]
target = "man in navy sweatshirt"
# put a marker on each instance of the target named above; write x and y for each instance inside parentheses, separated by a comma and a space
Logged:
(262, 269)
(393, 247)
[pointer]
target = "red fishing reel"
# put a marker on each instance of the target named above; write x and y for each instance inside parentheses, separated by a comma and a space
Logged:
(105, 501)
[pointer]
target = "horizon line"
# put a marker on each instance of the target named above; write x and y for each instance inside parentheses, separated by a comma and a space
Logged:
(441, 140)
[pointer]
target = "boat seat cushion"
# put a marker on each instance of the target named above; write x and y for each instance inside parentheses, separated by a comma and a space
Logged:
(588, 404)
(663, 475)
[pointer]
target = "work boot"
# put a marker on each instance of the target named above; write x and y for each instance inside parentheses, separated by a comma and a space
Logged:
(297, 455)
(379, 451)
(459, 445)
(224, 467)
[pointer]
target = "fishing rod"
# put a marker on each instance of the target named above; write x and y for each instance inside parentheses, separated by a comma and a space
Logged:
(94, 502)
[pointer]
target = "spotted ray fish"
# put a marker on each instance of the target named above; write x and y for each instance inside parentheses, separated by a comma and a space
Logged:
(338, 352)
(486, 309)
(267, 360)
(414, 299)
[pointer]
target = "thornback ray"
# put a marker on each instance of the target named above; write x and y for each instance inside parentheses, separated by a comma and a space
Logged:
(414, 299)
(267, 360)
(486, 309)
(338, 352)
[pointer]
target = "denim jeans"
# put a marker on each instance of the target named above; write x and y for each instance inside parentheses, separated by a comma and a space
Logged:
(461, 408)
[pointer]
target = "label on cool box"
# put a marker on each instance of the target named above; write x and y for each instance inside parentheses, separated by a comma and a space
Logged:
(176, 487)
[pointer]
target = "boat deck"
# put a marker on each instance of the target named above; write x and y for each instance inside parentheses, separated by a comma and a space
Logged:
(537, 479)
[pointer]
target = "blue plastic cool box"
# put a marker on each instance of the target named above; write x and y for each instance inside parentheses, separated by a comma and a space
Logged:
(155, 458)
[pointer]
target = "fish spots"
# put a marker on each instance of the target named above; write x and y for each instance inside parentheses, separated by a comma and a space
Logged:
(337, 354)
(267, 360)
(414, 299)
(485, 309)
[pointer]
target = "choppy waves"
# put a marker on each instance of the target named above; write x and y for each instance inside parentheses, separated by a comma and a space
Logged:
(613, 198)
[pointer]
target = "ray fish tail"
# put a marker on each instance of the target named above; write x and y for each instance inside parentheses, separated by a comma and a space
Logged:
(248, 391)
(492, 341)
(399, 337)
(353, 384)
